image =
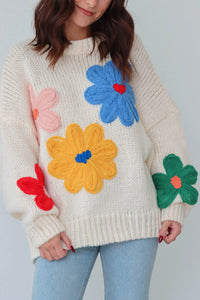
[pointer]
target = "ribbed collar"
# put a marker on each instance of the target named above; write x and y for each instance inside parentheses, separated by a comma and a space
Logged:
(83, 46)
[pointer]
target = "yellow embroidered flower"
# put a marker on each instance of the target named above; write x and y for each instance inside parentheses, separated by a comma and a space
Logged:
(83, 158)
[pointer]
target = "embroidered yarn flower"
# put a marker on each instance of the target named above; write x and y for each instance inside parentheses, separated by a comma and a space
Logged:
(83, 158)
(41, 104)
(32, 186)
(117, 99)
(178, 179)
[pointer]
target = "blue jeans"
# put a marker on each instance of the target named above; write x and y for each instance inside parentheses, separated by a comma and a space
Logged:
(127, 267)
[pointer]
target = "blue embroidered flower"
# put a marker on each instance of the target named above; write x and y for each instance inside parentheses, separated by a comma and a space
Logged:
(117, 99)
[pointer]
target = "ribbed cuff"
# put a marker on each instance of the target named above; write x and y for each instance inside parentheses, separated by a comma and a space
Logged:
(175, 212)
(46, 227)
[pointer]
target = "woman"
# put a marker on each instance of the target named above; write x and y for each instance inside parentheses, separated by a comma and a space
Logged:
(94, 152)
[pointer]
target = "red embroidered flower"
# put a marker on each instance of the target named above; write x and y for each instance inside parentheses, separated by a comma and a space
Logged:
(32, 186)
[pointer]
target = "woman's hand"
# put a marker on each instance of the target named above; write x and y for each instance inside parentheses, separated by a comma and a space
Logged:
(169, 230)
(53, 249)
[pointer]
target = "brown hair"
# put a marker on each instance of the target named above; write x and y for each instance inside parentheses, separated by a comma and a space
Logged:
(115, 29)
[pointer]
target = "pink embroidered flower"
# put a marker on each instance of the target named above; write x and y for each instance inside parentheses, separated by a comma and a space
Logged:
(41, 104)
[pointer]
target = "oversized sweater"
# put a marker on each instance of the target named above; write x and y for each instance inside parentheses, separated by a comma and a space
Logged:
(85, 154)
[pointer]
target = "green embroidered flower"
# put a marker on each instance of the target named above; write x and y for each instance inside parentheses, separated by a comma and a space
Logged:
(178, 179)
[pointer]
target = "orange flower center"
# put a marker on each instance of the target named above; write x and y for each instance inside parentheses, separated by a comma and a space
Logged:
(35, 113)
(120, 88)
(176, 182)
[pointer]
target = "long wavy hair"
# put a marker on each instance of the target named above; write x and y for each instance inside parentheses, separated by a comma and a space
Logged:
(115, 29)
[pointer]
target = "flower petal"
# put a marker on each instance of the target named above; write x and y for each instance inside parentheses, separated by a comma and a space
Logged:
(125, 115)
(98, 94)
(110, 109)
(30, 186)
(105, 151)
(98, 75)
(74, 179)
(49, 120)
(44, 202)
(92, 181)
(93, 135)
(113, 72)
(162, 182)
(189, 194)
(189, 174)
(59, 148)
(165, 198)
(75, 137)
(105, 169)
(129, 97)
(47, 98)
(173, 165)
(39, 174)
(60, 168)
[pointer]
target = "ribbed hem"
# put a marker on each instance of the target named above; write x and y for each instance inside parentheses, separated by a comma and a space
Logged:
(100, 230)
(176, 212)
(46, 227)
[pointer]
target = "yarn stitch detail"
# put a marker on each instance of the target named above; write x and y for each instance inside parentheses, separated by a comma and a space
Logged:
(178, 179)
(83, 158)
(117, 99)
(41, 104)
(32, 186)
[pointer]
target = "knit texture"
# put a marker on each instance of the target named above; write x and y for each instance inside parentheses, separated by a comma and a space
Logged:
(83, 153)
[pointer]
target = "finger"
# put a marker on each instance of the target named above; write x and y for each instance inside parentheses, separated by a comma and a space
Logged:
(59, 248)
(47, 255)
(66, 239)
(164, 229)
(42, 253)
(54, 254)
(172, 235)
(60, 251)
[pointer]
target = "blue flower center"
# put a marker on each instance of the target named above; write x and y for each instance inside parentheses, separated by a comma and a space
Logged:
(83, 157)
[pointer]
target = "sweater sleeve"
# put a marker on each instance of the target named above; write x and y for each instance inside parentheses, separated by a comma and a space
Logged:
(170, 165)
(22, 180)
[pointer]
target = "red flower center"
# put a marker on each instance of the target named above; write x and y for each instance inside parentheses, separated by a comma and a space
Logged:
(176, 182)
(35, 113)
(120, 88)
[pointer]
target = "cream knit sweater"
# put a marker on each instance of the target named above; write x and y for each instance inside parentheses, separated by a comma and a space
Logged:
(83, 153)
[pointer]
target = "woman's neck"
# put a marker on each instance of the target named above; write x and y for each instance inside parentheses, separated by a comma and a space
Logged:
(73, 33)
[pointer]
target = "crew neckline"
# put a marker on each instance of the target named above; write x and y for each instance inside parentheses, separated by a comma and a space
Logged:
(83, 46)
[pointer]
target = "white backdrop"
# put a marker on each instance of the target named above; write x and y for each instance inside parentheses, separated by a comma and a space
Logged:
(170, 31)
